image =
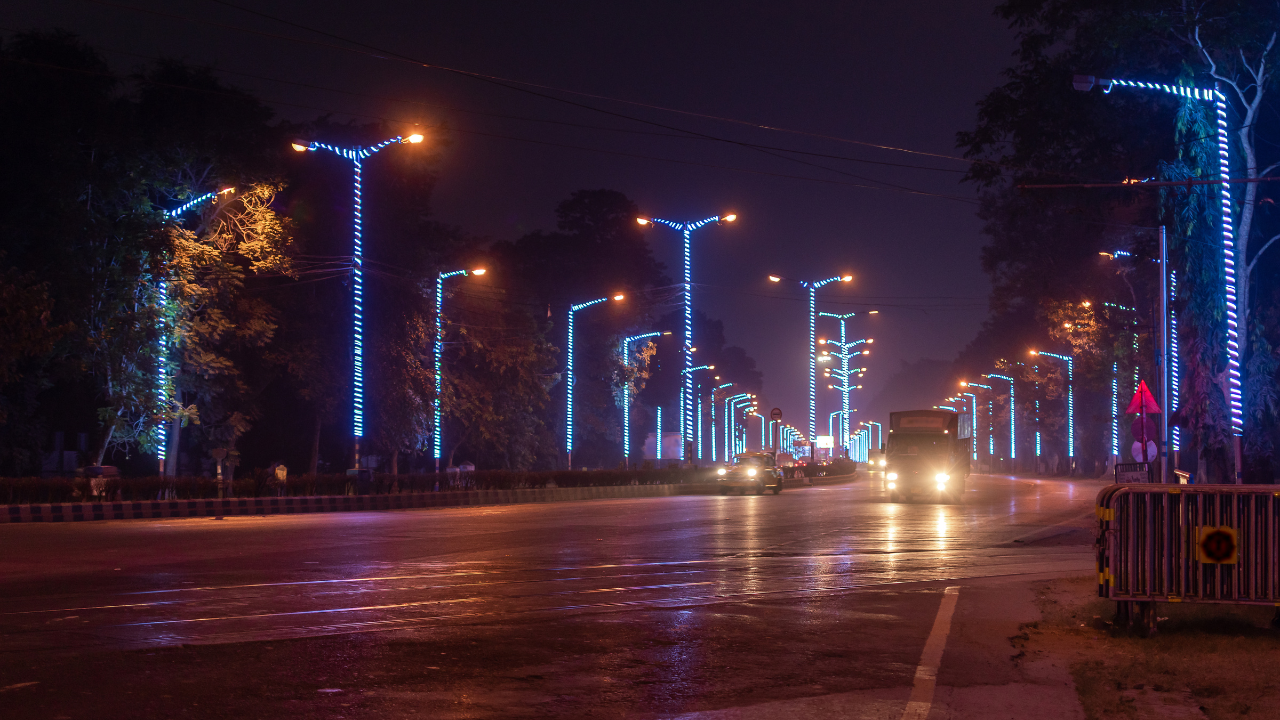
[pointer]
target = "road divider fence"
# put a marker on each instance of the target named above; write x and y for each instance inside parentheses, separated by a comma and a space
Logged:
(1187, 543)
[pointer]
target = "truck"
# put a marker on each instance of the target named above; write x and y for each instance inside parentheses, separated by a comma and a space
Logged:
(927, 454)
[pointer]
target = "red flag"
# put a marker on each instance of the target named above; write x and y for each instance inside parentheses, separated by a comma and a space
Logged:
(1143, 401)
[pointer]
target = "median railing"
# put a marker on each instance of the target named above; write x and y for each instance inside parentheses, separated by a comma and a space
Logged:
(1187, 543)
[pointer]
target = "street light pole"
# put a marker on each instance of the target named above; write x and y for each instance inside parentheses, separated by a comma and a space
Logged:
(437, 429)
(1013, 413)
(1071, 404)
(568, 413)
(357, 155)
(1214, 96)
(812, 286)
(626, 395)
(686, 396)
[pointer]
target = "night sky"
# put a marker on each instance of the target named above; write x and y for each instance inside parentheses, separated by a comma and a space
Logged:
(904, 74)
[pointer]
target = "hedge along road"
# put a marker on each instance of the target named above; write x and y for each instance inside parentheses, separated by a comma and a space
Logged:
(644, 607)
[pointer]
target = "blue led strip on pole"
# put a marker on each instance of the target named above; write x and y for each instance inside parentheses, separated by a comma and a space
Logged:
(568, 411)
(657, 438)
(1013, 445)
(1071, 402)
(356, 155)
(626, 394)
(1173, 361)
(973, 429)
(1115, 417)
(1215, 96)
(437, 428)
(845, 372)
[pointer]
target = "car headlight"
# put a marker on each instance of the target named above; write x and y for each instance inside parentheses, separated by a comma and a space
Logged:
(942, 477)
(883, 463)
(720, 471)
(751, 472)
(892, 476)
(893, 485)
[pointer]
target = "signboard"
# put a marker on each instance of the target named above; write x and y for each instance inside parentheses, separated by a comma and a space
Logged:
(1217, 545)
(826, 441)
(932, 422)
(1133, 472)
(775, 414)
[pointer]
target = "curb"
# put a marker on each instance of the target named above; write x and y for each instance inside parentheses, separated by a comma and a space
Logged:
(154, 509)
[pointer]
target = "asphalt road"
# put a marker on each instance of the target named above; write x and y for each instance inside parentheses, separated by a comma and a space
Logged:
(814, 603)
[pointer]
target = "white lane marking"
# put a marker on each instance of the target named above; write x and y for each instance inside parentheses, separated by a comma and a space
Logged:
(921, 699)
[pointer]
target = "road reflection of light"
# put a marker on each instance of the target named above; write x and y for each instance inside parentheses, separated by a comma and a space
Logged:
(940, 541)
(891, 533)
(751, 541)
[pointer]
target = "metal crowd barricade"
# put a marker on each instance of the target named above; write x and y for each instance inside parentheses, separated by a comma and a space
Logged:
(1187, 543)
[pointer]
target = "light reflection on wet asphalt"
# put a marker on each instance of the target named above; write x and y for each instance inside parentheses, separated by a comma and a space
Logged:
(205, 581)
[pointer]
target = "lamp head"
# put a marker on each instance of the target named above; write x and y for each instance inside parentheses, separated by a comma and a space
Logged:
(873, 312)
(619, 296)
(643, 221)
(774, 278)
(870, 340)
(1083, 83)
(414, 138)
(301, 145)
(730, 217)
(479, 271)
(1033, 352)
(964, 383)
(666, 333)
(847, 278)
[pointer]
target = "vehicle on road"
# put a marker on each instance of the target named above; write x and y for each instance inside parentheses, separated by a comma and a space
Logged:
(755, 472)
(927, 454)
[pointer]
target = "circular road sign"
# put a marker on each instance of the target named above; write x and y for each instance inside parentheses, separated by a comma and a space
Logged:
(1218, 545)
(775, 414)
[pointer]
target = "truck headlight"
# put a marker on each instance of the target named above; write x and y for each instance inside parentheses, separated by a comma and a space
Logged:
(883, 463)
(720, 471)
(942, 477)
(892, 476)
(893, 485)
(751, 472)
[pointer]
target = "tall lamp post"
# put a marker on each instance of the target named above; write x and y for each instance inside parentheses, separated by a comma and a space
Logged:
(973, 419)
(626, 394)
(437, 429)
(1071, 403)
(1219, 101)
(713, 419)
(812, 286)
(568, 411)
(1013, 416)
(696, 410)
(357, 156)
(686, 231)
(731, 406)
(162, 367)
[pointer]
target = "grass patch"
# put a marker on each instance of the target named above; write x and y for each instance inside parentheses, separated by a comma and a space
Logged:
(1215, 661)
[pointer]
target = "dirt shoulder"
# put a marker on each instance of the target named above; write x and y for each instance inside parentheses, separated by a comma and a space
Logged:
(1206, 661)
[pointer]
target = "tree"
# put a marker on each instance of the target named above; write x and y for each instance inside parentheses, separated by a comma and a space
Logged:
(1034, 129)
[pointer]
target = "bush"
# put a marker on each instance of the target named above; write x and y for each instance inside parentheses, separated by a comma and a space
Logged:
(32, 490)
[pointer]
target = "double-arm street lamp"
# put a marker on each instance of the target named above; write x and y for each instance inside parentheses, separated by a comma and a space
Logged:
(812, 286)
(568, 412)
(686, 231)
(357, 156)
(437, 429)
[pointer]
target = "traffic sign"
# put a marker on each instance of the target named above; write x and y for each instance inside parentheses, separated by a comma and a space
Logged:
(1218, 545)
(775, 414)
(1143, 401)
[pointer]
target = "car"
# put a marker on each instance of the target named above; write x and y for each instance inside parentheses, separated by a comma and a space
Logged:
(755, 472)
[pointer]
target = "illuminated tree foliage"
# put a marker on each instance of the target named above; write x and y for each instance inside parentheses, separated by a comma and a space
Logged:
(1044, 245)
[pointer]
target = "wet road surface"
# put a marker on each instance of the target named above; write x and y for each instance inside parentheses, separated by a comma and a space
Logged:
(820, 598)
